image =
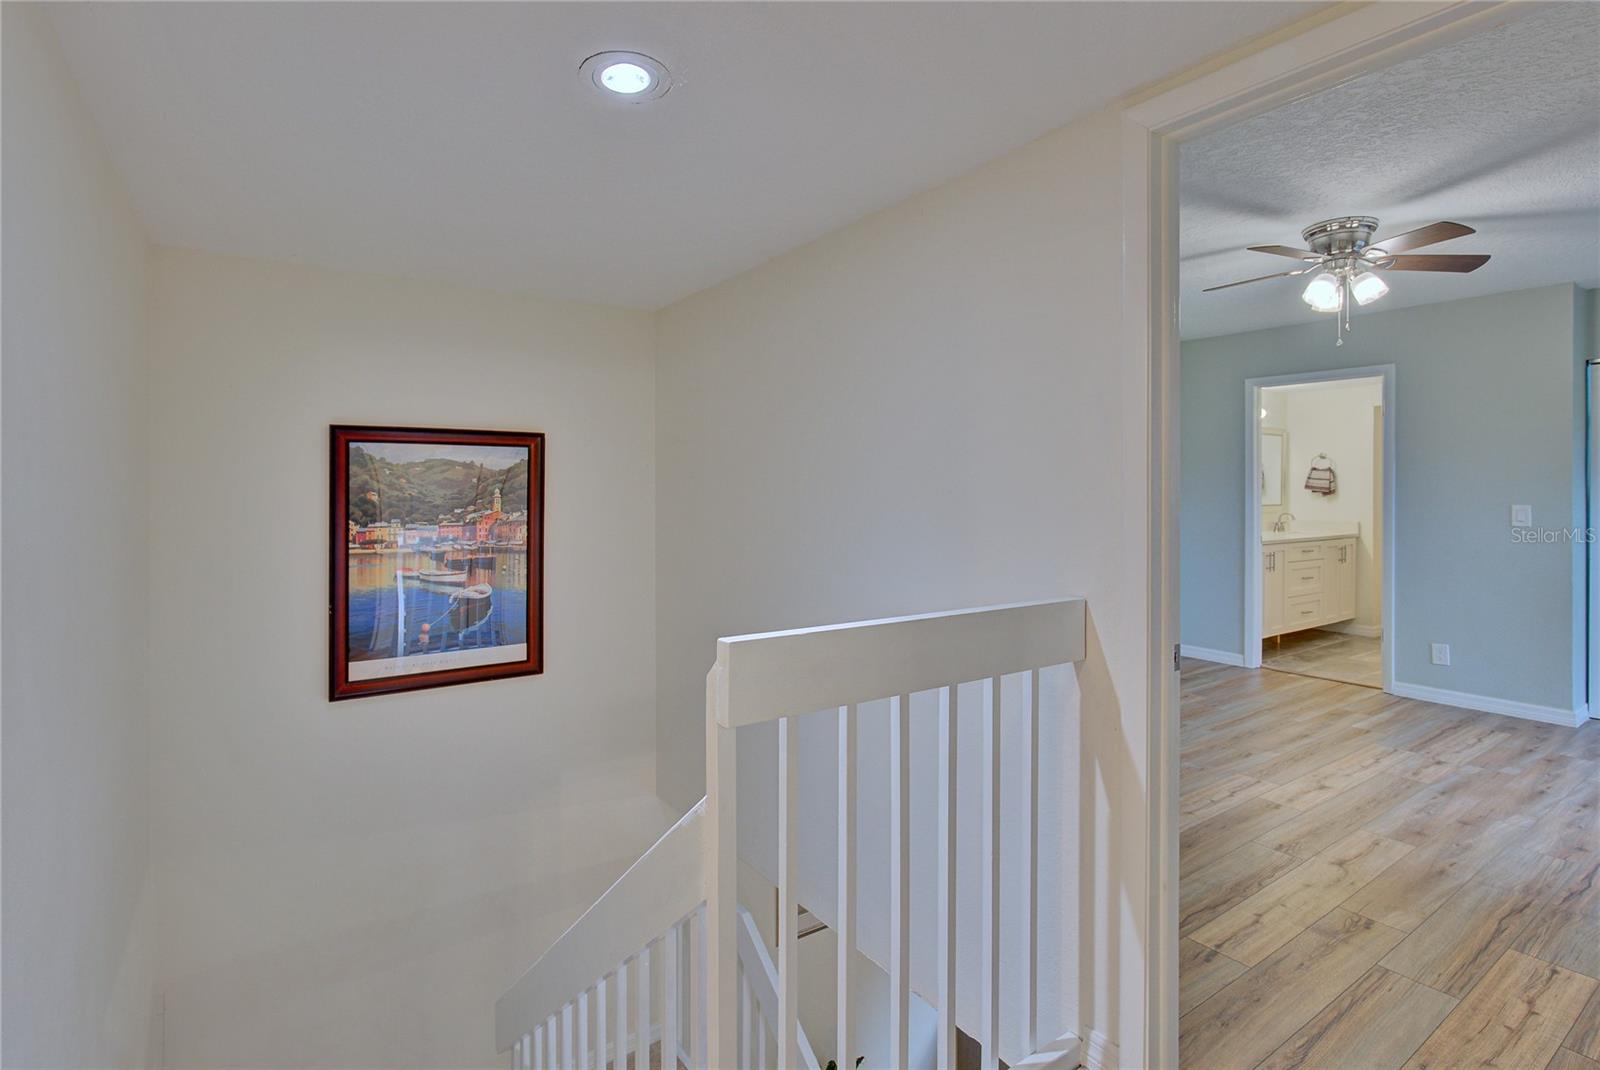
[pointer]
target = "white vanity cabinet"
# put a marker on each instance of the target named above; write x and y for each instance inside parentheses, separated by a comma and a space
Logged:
(1271, 590)
(1307, 583)
(1342, 578)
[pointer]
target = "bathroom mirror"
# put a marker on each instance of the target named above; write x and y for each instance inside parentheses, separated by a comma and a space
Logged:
(1274, 448)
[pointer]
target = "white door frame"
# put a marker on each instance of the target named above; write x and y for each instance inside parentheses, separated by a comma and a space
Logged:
(1327, 48)
(1252, 504)
(1591, 517)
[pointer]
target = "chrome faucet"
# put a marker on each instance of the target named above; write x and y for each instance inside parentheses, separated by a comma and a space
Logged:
(1279, 525)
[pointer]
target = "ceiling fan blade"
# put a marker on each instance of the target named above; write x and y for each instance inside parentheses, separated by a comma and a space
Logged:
(1428, 235)
(1258, 278)
(1458, 262)
(1285, 250)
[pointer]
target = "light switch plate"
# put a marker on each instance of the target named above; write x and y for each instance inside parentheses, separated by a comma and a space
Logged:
(1522, 516)
(1441, 653)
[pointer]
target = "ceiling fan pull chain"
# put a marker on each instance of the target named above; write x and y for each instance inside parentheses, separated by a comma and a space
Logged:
(1341, 321)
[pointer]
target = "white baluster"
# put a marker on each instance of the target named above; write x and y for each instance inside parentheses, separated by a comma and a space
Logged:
(747, 1026)
(551, 1056)
(899, 884)
(788, 963)
(583, 1030)
(602, 1024)
(525, 1051)
(722, 882)
(1029, 995)
(538, 1047)
(946, 891)
(845, 1030)
(845, 1027)
(567, 1061)
(699, 989)
(670, 1012)
(989, 1012)
(516, 1055)
(620, 1060)
(691, 1001)
(642, 1044)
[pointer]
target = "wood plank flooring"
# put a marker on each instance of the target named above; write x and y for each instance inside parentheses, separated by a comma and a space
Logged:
(1374, 883)
(1352, 659)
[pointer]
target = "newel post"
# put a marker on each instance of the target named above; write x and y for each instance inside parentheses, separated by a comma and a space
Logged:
(721, 847)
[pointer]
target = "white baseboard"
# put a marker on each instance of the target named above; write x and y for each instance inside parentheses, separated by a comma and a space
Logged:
(1487, 704)
(1365, 631)
(1205, 653)
(1100, 1053)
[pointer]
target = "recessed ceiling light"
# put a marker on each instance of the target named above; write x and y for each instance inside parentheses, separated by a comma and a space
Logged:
(626, 75)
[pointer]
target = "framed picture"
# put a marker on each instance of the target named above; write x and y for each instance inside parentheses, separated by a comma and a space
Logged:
(436, 558)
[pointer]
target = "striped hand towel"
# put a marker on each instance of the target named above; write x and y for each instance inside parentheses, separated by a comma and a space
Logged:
(1321, 480)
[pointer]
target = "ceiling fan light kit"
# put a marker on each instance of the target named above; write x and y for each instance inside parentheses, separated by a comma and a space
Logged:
(1346, 259)
(1367, 287)
(1325, 293)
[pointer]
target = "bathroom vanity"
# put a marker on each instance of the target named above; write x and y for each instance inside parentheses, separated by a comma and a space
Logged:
(1308, 578)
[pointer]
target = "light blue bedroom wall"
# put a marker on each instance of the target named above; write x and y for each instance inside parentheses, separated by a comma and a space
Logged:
(1485, 417)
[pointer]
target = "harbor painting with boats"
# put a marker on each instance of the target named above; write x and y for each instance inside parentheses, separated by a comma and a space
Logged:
(440, 557)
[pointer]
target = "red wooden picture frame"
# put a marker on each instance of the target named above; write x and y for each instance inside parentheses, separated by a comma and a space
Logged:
(429, 604)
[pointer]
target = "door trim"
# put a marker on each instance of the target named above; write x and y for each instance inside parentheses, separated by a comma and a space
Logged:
(1368, 37)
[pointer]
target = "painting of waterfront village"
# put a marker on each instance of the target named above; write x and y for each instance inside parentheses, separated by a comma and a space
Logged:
(437, 560)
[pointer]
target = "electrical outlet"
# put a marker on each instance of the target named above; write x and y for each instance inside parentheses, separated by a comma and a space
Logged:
(1522, 516)
(1441, 653)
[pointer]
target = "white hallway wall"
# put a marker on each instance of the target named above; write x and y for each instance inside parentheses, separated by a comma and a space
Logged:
(355, 884)
(78, 927)
(931, 409)
(926, 409)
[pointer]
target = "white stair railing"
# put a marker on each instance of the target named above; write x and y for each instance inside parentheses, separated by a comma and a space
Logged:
(654, 912)
(723, 997)
(758, 1002)
(780, 676)
(585, 979)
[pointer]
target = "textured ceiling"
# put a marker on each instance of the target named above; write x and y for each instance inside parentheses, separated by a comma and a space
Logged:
(457, 141)
(1500, 131)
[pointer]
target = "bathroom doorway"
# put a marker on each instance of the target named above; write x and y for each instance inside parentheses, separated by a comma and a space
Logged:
(1318, 531)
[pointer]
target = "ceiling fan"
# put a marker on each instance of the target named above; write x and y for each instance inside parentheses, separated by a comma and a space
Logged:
(1347, 261)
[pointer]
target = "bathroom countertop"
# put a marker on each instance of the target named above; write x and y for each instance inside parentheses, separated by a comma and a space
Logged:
(1324, 531)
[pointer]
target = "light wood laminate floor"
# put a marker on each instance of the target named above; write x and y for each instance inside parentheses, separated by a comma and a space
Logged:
(1352, 659)
(1374, 883)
